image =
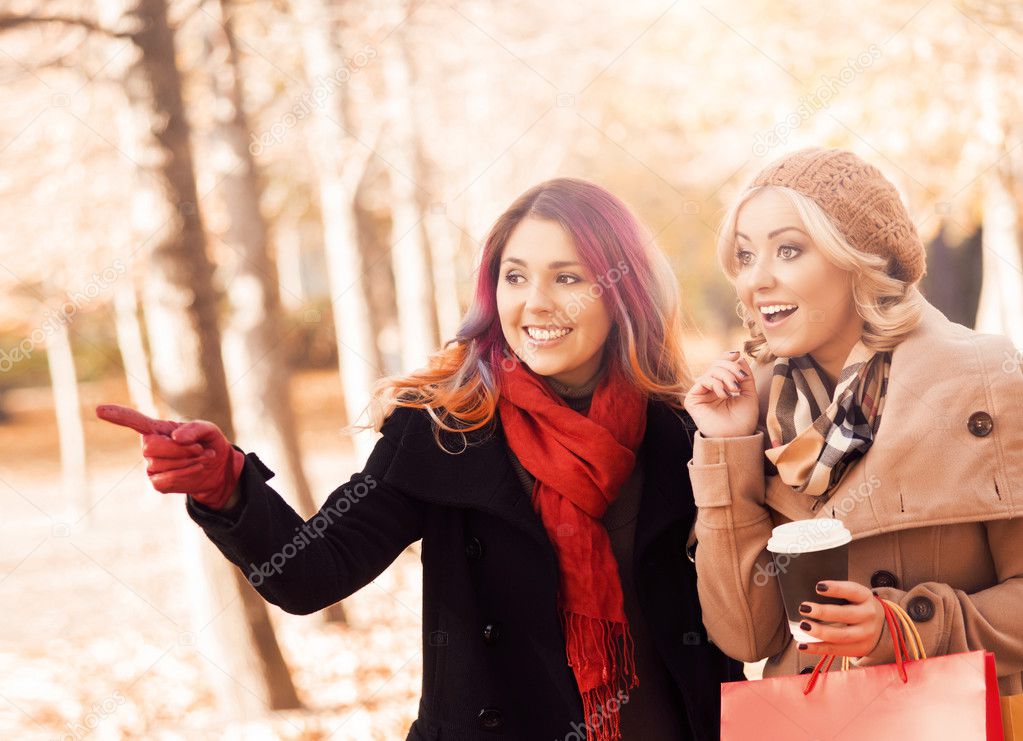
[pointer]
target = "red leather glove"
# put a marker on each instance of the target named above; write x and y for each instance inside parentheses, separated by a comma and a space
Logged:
(191, 458)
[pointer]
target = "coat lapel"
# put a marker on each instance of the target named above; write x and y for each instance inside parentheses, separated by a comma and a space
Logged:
(480, 477)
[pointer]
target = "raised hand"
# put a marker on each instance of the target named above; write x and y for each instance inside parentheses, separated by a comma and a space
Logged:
(191, 458)
(723, 401)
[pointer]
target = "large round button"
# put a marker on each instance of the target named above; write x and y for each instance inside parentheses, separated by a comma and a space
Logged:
(884, 578)
(491, 632)
(980, 424)
(473, 549)
(921, 609)
(490, 719)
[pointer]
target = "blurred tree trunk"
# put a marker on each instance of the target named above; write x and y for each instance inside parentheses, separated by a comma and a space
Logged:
(1001, 294)
(180, 307)
(339, 162)
(254, 350)
(64, 382)
(132, 347)
(127, 309)
(442, 239)
(410, 257)
(288, 244)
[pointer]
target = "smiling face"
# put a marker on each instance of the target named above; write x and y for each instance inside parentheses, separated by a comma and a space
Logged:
(551, 317)
(803, 302)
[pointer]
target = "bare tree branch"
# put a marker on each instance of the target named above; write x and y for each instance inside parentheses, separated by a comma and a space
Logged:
(10, 21)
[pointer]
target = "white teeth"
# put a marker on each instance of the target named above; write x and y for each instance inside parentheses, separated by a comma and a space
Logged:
(546, 334)
(774, 309)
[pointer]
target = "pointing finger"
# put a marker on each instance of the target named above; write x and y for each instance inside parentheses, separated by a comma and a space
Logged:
(134, 419)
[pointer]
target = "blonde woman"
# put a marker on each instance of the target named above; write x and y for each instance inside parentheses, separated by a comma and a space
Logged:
(859, 401)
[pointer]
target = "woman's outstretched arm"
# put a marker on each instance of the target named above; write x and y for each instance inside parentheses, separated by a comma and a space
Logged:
(301, 566)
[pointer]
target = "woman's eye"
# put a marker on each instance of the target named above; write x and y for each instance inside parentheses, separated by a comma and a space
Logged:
(788, 251)
(570, 278)
(512, 278)
(745, 257)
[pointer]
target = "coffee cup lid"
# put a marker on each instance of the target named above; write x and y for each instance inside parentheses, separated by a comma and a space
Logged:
(805, 536)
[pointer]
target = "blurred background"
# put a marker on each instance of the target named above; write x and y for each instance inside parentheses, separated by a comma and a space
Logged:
(248, 211)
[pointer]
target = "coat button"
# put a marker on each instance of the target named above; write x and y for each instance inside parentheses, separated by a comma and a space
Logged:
(883, 578)
(490, 719)
(491, 632)
(980, 424)
(921, 609)
(806, 670)
(473, 549)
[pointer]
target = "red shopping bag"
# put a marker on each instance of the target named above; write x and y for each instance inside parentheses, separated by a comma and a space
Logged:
(945, 697)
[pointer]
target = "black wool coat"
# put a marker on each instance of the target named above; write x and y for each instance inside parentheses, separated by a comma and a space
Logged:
(494, 661)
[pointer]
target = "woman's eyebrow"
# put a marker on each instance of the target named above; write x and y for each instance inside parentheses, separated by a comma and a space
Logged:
(775, 233)
(552, 266)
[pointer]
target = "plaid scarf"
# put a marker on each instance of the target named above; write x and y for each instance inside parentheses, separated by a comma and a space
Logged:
(817, 433)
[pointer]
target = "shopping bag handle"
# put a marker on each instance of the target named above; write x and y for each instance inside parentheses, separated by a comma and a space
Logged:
(893, 616)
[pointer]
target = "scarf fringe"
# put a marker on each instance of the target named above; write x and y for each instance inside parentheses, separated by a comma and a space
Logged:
(601, 653)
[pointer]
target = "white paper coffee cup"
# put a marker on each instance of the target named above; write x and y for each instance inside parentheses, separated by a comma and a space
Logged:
(806, 552)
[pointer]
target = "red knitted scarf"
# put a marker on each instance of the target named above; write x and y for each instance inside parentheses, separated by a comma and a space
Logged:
(580, 464)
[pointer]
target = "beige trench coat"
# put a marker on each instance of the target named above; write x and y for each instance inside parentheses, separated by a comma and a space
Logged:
(935, 508)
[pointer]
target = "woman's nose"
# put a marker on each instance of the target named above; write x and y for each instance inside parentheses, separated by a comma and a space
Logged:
(539, 301)
(761, 276)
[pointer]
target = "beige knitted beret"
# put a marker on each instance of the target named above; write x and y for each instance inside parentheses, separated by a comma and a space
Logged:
(861, 202)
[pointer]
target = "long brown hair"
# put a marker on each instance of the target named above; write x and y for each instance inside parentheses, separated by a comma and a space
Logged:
(459, 388)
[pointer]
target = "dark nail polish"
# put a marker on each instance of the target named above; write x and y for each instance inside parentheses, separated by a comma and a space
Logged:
(822, 587)
(801, 646)
(805, 625)
(805, 609)
(743, 373)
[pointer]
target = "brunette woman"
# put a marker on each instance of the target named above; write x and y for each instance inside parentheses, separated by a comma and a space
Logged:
(536, 459)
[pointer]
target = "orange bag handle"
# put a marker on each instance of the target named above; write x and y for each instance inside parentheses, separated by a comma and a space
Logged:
(898, 638)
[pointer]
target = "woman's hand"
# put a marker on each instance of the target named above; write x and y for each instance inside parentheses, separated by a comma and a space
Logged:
(723, 401)
(191, 458)
(862, 618)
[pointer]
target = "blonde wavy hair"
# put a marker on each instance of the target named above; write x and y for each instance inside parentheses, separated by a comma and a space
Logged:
(890, 308)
